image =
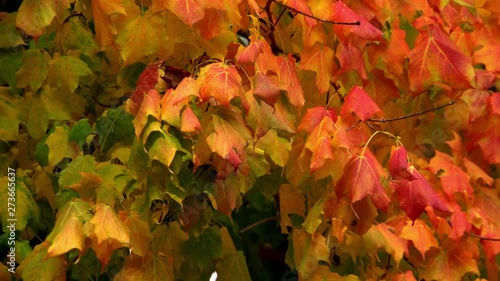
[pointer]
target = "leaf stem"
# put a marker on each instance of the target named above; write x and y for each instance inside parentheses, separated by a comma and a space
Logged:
(313, 17)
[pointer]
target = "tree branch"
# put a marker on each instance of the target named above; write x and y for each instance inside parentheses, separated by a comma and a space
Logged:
(313, 17)
(410, 115)
(483, 238)
(256, 224)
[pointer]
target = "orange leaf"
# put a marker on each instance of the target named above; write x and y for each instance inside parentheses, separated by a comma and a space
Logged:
(226, 141)
(189, 122)
(70, 236)
(107, 225)
(189, 11)
(249, 53)
(289, 81)
(453, 178)
(221, 82)
(319, 59)
(150, 105)
(319, 143)
(421, 235)
(266, 87)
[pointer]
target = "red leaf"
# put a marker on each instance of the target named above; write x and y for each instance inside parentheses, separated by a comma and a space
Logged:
(415, 195)
(362, 179)
(189, 121)
(147, 81)
(436, 58)
(340, 12)
(360, 103)
(313, 116)
(398, 164)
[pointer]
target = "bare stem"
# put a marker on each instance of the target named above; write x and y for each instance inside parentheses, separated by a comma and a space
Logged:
(483, 238)
(410, 115)
(256, 224)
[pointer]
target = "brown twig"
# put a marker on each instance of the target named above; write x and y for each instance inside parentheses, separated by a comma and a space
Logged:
(484, 238)
(313, 17)
(256, 224)
(410, 115)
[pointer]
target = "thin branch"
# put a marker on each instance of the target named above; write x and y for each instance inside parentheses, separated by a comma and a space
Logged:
(410, 115)
(313, 17)
(483, 238)
(256, 224)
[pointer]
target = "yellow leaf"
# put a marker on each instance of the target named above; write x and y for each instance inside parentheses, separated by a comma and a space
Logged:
(70, 236)
(108, 226)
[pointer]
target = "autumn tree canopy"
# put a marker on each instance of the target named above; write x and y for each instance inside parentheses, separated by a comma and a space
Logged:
(260, 139)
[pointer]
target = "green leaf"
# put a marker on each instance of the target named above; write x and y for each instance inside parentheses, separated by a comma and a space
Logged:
(162, 147)
(205, 248)
(80, 131)
(25, 204)
(10, 37)
(8, 129)
(38, 118)
(34, 70)
(76, 36)
(72, 174)
(65, 72)
(233, 265)
(10, 62)
(115, 126)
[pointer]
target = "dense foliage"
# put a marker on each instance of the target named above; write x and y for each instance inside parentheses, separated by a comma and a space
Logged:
(261, 139)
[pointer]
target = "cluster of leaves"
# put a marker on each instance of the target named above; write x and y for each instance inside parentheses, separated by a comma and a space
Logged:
(150, 137)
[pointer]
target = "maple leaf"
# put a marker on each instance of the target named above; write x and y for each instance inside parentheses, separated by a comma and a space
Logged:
(189, 11)
(301, 6)
(34, 70)
(35, 15)
(226, 141)
(362, 179)
(291, 202)
(276, 147)
(289, 81)
(421, 235)
(382, 236)
(105, 29)
(358, 101)
(36, 265)
(267, 87)
(413, 190)
(70, 236)
(147, 81)
(221, 82)
(453, 178)
(308, 250)
(314, 116)
(343, 13)
(436, 58)
(108, 226)
(150, 106)
(350, 56)
(249, 53)
(319, 143)
(319, 59)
